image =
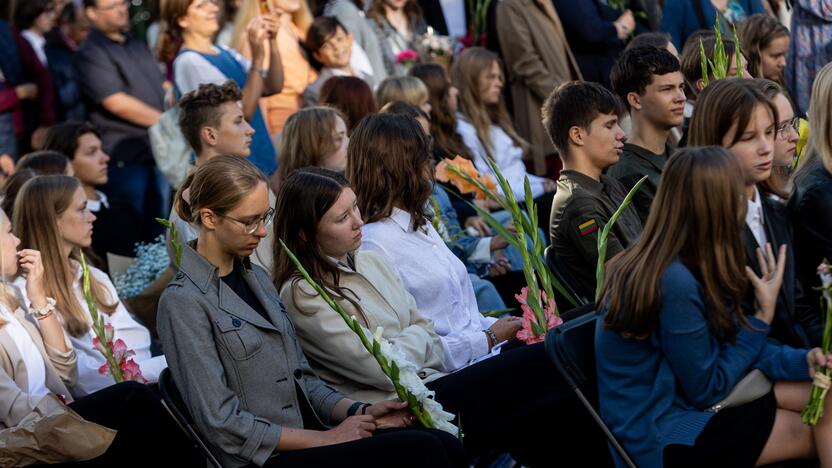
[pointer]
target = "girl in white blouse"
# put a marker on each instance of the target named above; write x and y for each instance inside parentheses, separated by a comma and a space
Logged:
(38, 363)
(51, 216)
(486, 128)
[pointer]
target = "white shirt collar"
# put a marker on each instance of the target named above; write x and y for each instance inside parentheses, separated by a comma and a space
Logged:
(95, 205)
(38, 42)
(402, 219)
(754, 218)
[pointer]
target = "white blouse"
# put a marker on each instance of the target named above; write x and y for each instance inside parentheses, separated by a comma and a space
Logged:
(135, 336)
(507, 156)
(438, 281)
(32, 358)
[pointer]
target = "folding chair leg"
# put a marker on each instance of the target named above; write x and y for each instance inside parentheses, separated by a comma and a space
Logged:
(618, 448)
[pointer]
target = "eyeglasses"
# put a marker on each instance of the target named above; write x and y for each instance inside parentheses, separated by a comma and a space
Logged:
(113, 6)
(794, 124)
(250, 227)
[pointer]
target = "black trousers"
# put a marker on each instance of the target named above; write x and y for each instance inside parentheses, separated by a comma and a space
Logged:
(146, 431)
(416, 448)
(516, 402)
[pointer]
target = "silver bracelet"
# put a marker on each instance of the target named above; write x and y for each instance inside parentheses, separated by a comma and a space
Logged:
(492, 337)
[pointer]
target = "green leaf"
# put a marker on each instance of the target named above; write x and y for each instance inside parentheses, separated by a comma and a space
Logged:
(737, 52)
(497, 312)
(602, 238)
(703, 61)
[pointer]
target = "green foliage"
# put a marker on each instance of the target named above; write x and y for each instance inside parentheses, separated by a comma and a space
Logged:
(718, 67)
(174, 239)
(602, 239)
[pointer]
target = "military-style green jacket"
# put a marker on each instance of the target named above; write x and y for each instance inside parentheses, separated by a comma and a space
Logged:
(581, 208)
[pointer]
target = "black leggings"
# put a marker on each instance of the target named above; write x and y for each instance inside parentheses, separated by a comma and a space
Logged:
(516, 402)
(145, 429)
(414, 448)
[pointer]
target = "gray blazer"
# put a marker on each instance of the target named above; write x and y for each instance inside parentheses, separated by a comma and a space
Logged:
(237, 372)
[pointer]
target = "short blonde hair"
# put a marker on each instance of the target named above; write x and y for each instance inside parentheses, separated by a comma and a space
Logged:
(408, 89)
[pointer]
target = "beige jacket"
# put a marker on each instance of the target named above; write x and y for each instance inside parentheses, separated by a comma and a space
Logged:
(335, 352)
(61, 371)
(538, 59)
(42, 429)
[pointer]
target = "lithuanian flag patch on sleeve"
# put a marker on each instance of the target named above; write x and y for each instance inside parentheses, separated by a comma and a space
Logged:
(588, 227)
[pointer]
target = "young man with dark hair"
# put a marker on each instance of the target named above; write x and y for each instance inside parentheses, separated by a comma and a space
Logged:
(648, 81)
(113, 231)
(212, 121)
(582, 119)
(331, 45)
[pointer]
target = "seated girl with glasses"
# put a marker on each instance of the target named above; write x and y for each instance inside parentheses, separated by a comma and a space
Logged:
(236, 359)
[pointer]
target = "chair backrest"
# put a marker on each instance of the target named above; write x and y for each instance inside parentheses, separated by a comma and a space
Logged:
(571, 347)
(176, 406)
(562, 277)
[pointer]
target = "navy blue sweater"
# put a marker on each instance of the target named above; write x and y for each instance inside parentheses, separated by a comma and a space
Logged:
(653, 392)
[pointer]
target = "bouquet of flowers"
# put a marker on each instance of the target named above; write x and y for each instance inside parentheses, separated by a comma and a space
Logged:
(395, 365)
(537, 298)
(813, 411)
(151, 260)
(118, 364)
(719, 64)
(435, 44)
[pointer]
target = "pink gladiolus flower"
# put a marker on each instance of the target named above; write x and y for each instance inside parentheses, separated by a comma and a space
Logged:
(824, 268)
(108, 333)
(96, 343)
(120, 351)
(104, 369)
(130, 370)
(526, 334)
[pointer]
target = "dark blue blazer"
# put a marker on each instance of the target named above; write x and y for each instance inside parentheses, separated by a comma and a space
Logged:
(680, 18)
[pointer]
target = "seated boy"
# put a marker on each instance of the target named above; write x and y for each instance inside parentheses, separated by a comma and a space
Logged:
(582, 120)
(332, 46)
(649, 82)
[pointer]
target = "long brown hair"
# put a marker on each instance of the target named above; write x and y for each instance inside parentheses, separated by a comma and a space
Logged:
(412, 10)
(389, 165)
(304, 198)
(696, 216)
(170, 35)
(465, 73)
(446, 140)
(755, 34)
(721, 105)
(36, 210)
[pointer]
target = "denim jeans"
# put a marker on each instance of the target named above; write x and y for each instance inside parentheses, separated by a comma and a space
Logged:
(142, 186)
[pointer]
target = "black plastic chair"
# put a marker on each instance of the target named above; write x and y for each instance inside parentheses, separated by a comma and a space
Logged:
(571, 347)
(176, 406)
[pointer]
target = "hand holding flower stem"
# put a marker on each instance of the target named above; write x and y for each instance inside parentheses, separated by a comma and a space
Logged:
(390, 368)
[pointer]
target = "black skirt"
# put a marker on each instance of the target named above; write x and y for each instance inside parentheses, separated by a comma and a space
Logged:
(733, 437)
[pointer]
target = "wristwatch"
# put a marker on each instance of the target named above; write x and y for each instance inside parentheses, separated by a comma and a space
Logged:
(45, 311)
